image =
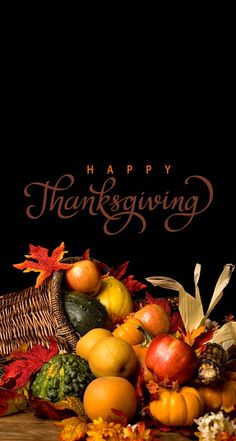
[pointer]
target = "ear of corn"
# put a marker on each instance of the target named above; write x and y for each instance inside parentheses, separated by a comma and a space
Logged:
(211, 364)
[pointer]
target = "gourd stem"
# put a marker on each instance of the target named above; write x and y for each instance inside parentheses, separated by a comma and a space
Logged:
(148, 337)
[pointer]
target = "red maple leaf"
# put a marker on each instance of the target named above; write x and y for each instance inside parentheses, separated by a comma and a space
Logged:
(176, 322)
(26, 364)
(43, 263)
(133, 285)
(163, 302)
(120, 271)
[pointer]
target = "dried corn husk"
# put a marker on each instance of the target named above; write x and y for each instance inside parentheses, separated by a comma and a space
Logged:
(191, 308)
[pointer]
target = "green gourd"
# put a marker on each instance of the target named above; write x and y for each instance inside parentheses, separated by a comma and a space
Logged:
(64, 375)
(85, 312)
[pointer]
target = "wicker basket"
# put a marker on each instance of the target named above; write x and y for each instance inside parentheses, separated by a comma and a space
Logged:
(32, 315)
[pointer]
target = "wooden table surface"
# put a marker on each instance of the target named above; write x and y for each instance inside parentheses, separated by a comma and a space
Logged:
(26, 427)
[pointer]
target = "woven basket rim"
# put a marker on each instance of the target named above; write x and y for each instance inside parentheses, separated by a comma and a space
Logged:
(65, 328)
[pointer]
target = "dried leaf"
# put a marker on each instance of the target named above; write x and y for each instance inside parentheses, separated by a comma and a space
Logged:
(74, 428)
(190, 307)
(120, 271)
(43, 263)
(202, 339)
(26, 364)
(86, 254)
(152, 387)
(226, 335)
(220, 286)
(139, 385)
(133, 285)
(191, 336)
(22, 348)
(13, 401)
(54, 411)
(162, 301)
(176, 322)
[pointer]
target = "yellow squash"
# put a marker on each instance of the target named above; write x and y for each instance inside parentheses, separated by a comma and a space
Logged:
(116, 298)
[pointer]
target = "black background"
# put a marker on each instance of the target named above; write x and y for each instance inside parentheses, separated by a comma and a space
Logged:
(208, 240)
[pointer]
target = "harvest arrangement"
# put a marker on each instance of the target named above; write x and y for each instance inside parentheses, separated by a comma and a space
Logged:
(138, 365)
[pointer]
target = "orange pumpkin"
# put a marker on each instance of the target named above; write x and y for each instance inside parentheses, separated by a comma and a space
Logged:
(222, 395)
(174, 408)
(129, 331)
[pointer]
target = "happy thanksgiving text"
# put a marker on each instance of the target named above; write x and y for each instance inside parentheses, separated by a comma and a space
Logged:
(120, 210)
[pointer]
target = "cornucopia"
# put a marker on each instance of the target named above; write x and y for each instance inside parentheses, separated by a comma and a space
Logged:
(83, 349)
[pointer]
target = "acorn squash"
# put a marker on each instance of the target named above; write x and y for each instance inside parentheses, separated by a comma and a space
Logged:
(85, 312)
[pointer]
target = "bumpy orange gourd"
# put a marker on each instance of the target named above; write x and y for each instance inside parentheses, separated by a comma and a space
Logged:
(129, 331)
(177, 408)
(222, 395)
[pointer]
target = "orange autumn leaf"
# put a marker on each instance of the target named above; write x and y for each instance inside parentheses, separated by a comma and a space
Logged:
(43, 263)
(86, 254)
(74, 428)
(190, 337)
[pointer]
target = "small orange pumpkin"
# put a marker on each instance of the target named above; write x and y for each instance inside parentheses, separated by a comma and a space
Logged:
(177, 408)
(222, 395)
(129, 331)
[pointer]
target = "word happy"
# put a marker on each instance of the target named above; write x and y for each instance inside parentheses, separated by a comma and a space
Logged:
(119, 211)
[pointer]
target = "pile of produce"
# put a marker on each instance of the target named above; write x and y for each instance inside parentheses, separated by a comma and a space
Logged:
(140, 366)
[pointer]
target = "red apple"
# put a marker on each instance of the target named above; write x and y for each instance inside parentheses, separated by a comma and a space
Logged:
(169, 357)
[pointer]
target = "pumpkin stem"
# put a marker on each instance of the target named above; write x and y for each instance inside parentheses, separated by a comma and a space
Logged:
(175, 386)
(148, 337)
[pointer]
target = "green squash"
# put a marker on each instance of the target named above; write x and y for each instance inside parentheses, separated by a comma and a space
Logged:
(85, 312)
(64, 375)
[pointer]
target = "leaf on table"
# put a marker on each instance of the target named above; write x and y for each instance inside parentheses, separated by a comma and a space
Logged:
(13, 401)
(74, 428)
(27, 363)
(54, 411)
(43, 263)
